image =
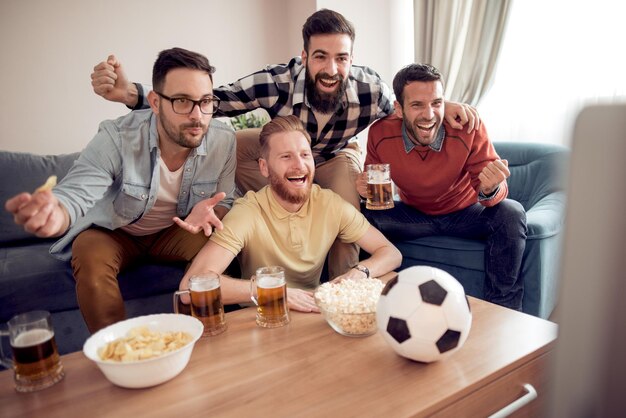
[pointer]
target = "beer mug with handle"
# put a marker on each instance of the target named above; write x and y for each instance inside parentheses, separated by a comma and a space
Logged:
(268, 290)
(379, 190)
(36, 363)
(206, 302)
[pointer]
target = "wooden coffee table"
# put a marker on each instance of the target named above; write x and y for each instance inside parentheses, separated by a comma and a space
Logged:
(306, 369)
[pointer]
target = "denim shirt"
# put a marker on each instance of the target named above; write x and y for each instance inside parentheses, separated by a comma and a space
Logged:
(116, 178)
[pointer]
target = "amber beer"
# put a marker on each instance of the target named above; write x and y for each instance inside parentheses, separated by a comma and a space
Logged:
(380, 196)
(35, 356)
(206, 302)
(36, 363)
(206, 305)
(379, 190)
(270, 288)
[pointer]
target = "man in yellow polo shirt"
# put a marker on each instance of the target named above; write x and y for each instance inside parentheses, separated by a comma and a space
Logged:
(290, 223)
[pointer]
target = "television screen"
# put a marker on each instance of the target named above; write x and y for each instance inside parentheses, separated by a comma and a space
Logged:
(589, 373)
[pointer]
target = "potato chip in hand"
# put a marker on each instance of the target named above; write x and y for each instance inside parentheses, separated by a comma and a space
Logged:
(48, 185)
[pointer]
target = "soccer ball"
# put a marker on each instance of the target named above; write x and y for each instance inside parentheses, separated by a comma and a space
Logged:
(424, 314)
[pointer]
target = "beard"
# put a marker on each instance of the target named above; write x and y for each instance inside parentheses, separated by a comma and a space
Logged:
(319, 100)
(415, 133)
(280, 186)
(177, 133)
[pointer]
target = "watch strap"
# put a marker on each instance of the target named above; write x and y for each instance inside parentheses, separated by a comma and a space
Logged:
(363, 269)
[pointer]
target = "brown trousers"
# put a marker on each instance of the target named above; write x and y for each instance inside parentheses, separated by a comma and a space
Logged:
(98, 255)
(338, 174)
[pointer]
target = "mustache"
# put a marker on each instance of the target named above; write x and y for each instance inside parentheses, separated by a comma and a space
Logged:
(193, 125)
(327, 76)
(298, 174)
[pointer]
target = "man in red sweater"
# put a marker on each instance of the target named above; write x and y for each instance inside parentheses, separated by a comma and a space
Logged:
(450, 182)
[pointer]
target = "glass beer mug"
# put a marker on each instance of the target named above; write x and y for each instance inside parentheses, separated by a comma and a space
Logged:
(379, 191)
(268, 290)
(36, 363)
(206, 302)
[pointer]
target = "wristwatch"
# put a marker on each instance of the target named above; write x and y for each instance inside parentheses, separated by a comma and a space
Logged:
(363, 269)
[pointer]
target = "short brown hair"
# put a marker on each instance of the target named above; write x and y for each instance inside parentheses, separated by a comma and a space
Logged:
(173, 58)
(411, 73)
(326, 22)
(280, 124)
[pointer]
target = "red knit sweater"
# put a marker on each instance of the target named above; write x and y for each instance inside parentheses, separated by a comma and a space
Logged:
(434, 182)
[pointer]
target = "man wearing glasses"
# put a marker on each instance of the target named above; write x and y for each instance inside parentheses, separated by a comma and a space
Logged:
(143, 187)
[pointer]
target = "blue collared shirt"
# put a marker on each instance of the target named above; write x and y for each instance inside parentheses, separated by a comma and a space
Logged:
(435, 146)
(116, 178)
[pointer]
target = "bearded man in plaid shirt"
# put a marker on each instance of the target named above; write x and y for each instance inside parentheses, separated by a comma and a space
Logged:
(334, 99)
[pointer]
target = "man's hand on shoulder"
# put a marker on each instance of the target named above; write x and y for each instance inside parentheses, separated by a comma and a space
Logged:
(459, 114)
(109, 81)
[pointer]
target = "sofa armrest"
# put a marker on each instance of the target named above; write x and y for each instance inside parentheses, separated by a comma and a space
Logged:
(546, 217)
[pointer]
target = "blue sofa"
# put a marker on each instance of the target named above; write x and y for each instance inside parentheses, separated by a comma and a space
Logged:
(30, 278)
(538, 182)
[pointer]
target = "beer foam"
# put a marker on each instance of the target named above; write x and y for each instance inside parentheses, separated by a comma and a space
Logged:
(204, 285)
(269, 282)
(32, 337)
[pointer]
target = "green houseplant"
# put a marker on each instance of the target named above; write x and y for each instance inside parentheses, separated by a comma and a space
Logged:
(248, 120)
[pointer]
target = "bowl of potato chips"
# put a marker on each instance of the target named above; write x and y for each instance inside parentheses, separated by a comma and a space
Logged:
(144, 351)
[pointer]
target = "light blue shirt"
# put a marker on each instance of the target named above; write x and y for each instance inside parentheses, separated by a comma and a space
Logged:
(116, 178)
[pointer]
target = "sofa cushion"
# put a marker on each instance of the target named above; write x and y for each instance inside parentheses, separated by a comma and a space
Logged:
(24, 172)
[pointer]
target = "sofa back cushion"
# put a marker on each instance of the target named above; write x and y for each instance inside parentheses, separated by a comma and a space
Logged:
(24, 172)
(536, 170)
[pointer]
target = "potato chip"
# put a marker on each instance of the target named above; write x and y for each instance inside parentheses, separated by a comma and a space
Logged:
(140, 344)
(48, 185)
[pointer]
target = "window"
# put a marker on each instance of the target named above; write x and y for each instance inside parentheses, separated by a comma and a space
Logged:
(557, 56)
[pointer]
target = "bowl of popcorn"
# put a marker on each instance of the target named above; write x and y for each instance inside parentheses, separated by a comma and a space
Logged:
(349, 306)
(144, 351)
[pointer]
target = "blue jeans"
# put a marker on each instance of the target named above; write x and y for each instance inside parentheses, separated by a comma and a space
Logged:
(502, 228)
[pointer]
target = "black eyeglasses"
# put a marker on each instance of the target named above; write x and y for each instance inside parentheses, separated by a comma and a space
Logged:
(184, 106)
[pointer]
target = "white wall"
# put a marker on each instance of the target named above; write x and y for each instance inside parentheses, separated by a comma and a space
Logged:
(49, 48)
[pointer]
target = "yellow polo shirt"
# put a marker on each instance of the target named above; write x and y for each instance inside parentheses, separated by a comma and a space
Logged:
(263, 233)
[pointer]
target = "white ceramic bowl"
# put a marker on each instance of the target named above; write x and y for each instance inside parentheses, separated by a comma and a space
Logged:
(153, 371)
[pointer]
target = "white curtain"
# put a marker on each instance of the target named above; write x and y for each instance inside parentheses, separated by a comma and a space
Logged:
(462, 38)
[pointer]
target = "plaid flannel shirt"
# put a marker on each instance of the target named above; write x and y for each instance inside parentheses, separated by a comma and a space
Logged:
(279, 89)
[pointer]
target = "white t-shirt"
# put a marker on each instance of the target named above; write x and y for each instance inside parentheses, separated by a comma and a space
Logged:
(164, 209)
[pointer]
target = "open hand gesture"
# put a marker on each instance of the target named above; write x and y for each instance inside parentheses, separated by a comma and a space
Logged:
(202, 216)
